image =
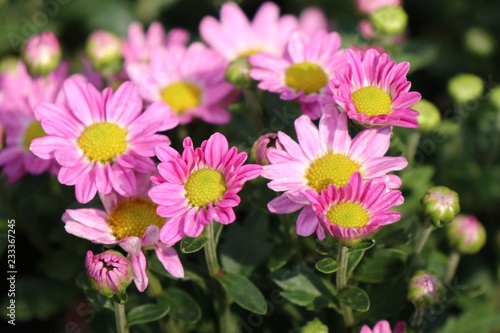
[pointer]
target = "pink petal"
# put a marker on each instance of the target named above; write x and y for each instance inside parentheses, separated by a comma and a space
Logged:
(123, 180)
(307, 222)
(125, 105)
(139, 268)
(170, 260)
(45, 147)
(131, 245)
(283, 205)
(151, 236)
(85, 101)
(86, 189)
(215, 149)
(172, 231)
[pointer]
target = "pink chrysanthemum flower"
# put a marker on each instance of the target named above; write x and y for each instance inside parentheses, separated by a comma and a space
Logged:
(374, 91)
(303, 73)
(384, 327)
(324, 156)
(132, 223)
(355, 211)
(236, 37)
(22, 93)
(190, 81)
(201, 185)
(100, 139)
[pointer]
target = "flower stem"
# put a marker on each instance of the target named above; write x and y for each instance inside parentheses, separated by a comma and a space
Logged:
(419, 245)
(120, 318)
(452, 265)
(342, 279)
(417, 318)
(210, 251)
(411, 149)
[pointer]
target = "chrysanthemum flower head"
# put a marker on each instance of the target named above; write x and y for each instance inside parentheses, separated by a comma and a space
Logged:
(355, 211)
(374, 91)
(304, 72)
(190, 81)
(383, 326)
(100, 139)
(201, 185)
(326, 155)
(132, 223)
(21, 94)
(235, 36)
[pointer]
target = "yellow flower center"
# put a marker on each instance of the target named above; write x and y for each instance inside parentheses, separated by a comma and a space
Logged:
(34, 131)
(333, 169)
(205, 186)
(181, 96)
(348, 215)
(372, 101)
(102, 142)
(306, 76)
(131, 217)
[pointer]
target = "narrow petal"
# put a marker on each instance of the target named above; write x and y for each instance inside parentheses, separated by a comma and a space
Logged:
(307, 222)
(139, 268)
(170, 260)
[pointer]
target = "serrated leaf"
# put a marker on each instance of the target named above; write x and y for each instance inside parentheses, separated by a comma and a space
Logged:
(182, 306)
(243, 292)
(327, 266)
(147, 313)
(363, 245)
(192, 245)
(355, 298)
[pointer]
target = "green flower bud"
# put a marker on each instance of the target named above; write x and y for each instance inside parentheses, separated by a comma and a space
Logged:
(495, 97)
(441, 205)
(425, 289)
(238, 73)
(429, 117)
(479, 41)
(104, 51)
(466, 234)
(389, 20)
(464, 88)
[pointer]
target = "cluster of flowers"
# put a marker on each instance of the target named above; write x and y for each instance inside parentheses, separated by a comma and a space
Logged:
(103, 141)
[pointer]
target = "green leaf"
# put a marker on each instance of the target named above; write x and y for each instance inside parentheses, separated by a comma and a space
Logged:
(327, 265)
(243, 292)
(192, 245)
(182, 306)
(364, 245)
(353, 260)
(355, 298)
(384, 265)
(278, 259)
(147, 313)
(314, 326)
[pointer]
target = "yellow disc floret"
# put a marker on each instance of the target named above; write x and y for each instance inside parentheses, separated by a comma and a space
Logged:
(348, 215)
(333, 169)
(205, 186)
(306, 76)
(103, 142)
(181, 96)
(34, 131)
(131, 217)
(372, 101)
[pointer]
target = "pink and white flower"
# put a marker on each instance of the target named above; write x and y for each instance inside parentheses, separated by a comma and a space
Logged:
(326, 155)
(236, 37)
(304, 72)
(384, 327)
(21, 94)
(132, 223)
(355, 211)
(200, 186)
(374, 91)
(190, 81)
(100, 139)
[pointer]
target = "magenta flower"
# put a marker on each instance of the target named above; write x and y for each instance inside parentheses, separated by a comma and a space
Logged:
(374, 91)
(200, 186)
(355, 211)
(304, 72)
(42, 53)
(384, 327)
(236, 37)
(132, 223)
(324, 156)
(109, 272)
(100, 139)
(190, 81)
(21, 94)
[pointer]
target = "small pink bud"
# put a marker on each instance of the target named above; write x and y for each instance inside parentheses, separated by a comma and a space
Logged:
(425, 289)
(261, 147)
(104, 51)
(466, 234)
(109, 272)
(42, 53)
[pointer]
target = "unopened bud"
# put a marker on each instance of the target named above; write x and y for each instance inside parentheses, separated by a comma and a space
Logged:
(441, 205)
(479, 41)
(104, 51)
(466, 234)
(495, 97)
(425, 289)
(369, 6)
(429, 117)
(464, 88)
(261, 147)
(238, 73)
(389, 20)
(42, 53)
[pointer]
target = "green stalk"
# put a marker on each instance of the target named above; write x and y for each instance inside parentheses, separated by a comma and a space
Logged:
(452, 265)
(419, 245)
(342, 280)
(211, 252)
(120, 318)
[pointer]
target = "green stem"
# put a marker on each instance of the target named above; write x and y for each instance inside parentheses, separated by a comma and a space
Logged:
(342, 279)
(452, 265)
(424, 236)
(211, 252)
(416, 320)
(412, 146)
(120, 318)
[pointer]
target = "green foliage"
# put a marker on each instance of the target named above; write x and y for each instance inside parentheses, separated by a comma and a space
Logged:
(243, 292)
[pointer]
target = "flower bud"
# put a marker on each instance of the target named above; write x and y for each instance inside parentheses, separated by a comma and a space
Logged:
(109, 272)
(429, 117)
(479, 42)
(238, 73)
(425, 289)
(464, 88)
(104, 51)
(441, 205)
(369, 6)
(495, 97)
(42, 53)
(389, 20)
(261, 147)
(466, 234)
